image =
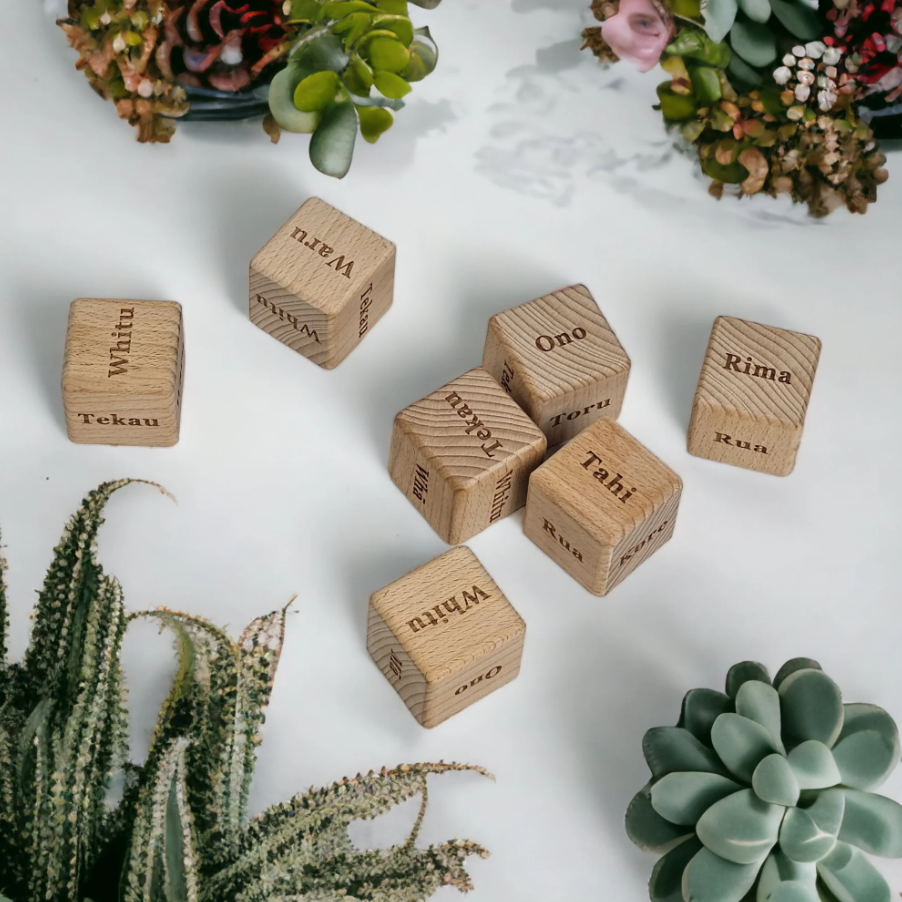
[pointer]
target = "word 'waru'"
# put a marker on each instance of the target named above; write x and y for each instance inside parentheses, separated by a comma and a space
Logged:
(323, 249)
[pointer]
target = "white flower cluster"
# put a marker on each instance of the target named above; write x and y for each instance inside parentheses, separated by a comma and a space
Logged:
(800, 66)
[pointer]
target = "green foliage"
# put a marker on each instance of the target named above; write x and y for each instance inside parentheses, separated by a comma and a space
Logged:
(350, 58)
(764, 790)
(180, 832)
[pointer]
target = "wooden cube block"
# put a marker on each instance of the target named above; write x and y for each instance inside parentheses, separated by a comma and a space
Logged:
(558, 358)
(601, 506)
(321, 283)
(445, 636)
(463, 455)
(123, 371)
(752, 395)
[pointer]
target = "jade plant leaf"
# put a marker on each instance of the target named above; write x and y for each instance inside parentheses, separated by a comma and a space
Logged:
(666, 883)
(669, 749)
(701, 707)
(761, 702)
(739, 68)
(873, 823)
(332, 144)
(423, 56)
(740, 828)
(808, 835)
(812, 707)
(756, 10)
(813, 765)
(775, 782)
(682, 798)
(741, 744)
(754, 42)
(868, 747)
(851, 877)
(647, 829)
(798, 20)
(740, 674)
(791, 666)
(282, 106)
(390, 85)
(314, 93)
(719, 17)
(374, 122)
(709, 878)
(779, 871)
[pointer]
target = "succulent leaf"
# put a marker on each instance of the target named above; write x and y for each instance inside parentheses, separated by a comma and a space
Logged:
(808, 835)
(741, 744)
(873, 823)
(775, 782)
(332, 144)
(719, 17)
(794, 892)
(669, 749)
(797, 19)
(868, 748)
(790, 667)
(701, 707)
(851, 877)
(779, 870)
(812, 707)
(648, 829)
(710, 878)
(754, 43)
(682, 798)
(760, 702)
(741, 673)
(756, 10)
(813, 765)
(666, 884)
(741, 828)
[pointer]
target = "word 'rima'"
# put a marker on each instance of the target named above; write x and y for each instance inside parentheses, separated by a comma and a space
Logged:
(487, 676)
(365, 303)
(420, 483)
(441, 612)
(733, 362)
(615, 486)
(724, 439)
(91, 419)
(637, 548)
(483, 433)
(289, 318)
(325, 252)
(502, 493)
(550, 529)
(123, 347)
(549, 343)
(556, 421)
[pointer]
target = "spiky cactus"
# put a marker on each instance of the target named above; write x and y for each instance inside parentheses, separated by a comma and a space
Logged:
(180, 832)
(762, 794)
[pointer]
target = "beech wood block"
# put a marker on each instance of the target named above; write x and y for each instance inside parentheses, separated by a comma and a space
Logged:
(558, 358)
(463, 455)
(321, 283)
(122, 372)
(445, 636)
(602, 505)
(752, 395)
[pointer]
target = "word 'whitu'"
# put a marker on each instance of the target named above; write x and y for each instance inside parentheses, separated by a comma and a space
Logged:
(441, 612)
(123, 347)
(289, 318)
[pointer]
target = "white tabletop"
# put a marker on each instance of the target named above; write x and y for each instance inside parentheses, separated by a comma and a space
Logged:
(518, 167)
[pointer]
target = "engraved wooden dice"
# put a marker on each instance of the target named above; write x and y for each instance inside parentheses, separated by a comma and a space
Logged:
(123, 372)
(559, 360)
(463, 455)
(445, 636)
(752, 395)
(321, 283)
(601, 506)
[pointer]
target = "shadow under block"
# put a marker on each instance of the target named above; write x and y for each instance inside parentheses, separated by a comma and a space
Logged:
(601, 506)
(321, 283)
(463, 455)
(445, 636)
(559, 360)
(123, 371)
(752, 396)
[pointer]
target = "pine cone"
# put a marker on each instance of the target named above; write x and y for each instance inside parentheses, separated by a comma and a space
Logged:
(766, 790)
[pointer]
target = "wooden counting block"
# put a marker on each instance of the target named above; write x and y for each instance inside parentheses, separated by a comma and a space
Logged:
(445, 636)
(463, 455)
(321, 283)
(601, 506)
(123, 371)
(752, 395)
(558, 358)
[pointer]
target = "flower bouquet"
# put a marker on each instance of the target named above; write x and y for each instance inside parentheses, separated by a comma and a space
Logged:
(777, 96)
(328, 68)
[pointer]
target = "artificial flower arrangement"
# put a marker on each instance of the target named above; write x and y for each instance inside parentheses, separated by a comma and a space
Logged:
(328, 68)
(777, 96)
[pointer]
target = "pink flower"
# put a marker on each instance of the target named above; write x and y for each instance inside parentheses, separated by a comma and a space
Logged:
(639, 32)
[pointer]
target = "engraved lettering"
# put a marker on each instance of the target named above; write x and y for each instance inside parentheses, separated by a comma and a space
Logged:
(292, 320)
(324, 251)
(114, 419)
(502, 493)
(549, 343)
(445, 610)
(484, 433)
(758, 370)
(420, 483)
(724, 439)
(394, 665)
(475, 682)
(551, 529)
(365, 303)
(507, 376)
(123, 346)
(575, 414)
(637, 548)
(615, 486)
(342, 267)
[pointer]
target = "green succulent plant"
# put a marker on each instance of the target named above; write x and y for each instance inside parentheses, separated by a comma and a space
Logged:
(353, 62)
(763, 793)
(180, 832)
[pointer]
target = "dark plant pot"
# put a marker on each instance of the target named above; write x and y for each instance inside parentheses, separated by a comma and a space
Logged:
(208, 105)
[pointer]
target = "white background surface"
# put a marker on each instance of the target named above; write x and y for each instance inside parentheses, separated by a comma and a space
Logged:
(520, 166)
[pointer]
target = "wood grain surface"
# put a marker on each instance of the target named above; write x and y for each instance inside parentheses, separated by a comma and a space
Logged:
(602, 506)
(445, 636)
(463, 454)
(123, 372)
(559, 360)
(752, 396)
(321, 283)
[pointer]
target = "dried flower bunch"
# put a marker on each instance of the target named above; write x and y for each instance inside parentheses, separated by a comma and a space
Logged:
(180, 832)
(329, 68)
(763, 793)
(778, 96)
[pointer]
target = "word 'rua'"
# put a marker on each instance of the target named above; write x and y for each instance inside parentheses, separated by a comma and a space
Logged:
(338, 262)
(438, 615)
(289, 318)
(123, 346)
(724, 439)
(750, 368)
(550, 528)
(486, 676)
(90, 419)
(615, 486)
(548, 343)
(483, 433)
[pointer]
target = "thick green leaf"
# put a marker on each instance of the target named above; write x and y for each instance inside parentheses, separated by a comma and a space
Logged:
(761, 702)
(332, 144)
(754, 43)
(390, 85)
(814, 766)
(426, 4)
(282, 106)
(669, 749)
(675, 107)
(756, 10)
(709, 878)
(740, 674)
(731, 173)
(682, 798)
(741, 70)
(388, 54)
(808, 835)
(666, 884)
(705, 84)
(775, 782)
(779, 870)
(791, 666)
(811, 704)
(374, 122)
(740, 828)
(695, 44)
(399, 25)
(719, 17)
(873, 823)
(646, 828)
(701, 707)
(797, 19)
(319, 50)
(316, 92)
(868, 748)
(741, 744)
(851, 877)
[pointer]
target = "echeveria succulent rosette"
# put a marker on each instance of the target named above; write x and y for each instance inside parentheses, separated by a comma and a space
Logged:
(764, 793)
